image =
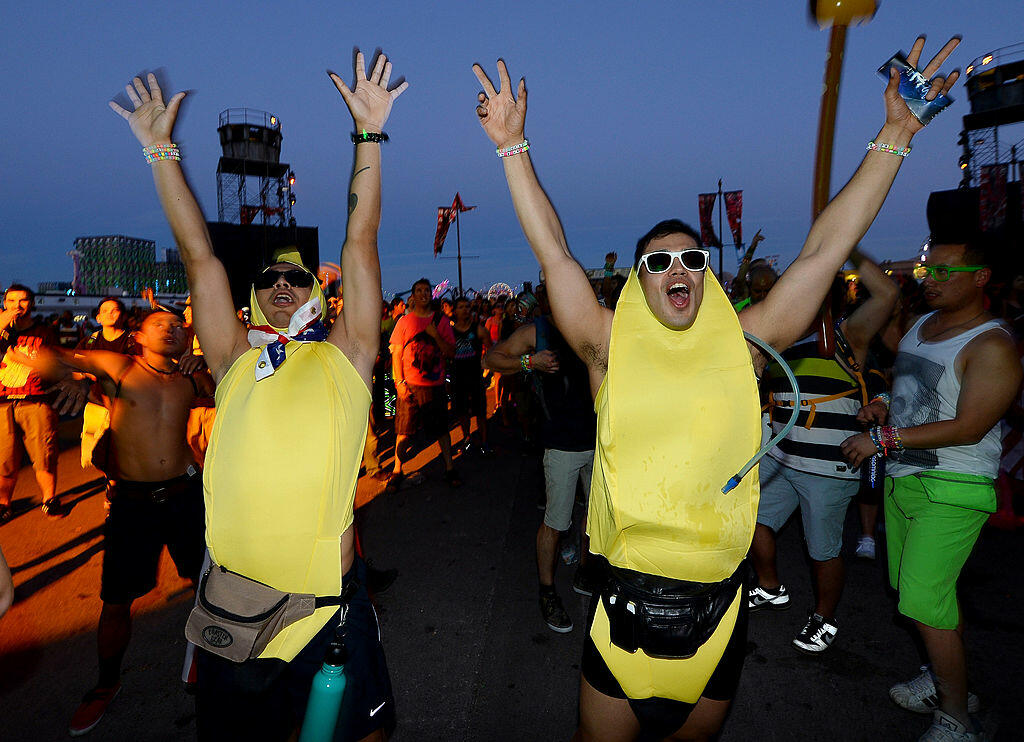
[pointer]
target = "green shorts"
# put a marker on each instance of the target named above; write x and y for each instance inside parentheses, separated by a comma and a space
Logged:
(932, 520)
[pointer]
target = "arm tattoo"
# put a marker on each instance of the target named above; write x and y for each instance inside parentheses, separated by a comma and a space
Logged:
(359, 171)
(353, 199)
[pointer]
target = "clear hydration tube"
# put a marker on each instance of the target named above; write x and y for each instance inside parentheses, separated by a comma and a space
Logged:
(735, 479)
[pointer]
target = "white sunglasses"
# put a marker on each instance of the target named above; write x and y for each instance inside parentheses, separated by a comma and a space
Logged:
(692, 259)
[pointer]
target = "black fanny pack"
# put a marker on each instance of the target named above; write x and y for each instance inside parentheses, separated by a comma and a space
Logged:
(667, 619)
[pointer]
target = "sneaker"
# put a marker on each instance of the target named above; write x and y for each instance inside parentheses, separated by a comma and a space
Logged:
(945, 728)
(762, 597)
(919, 695)
(53, 509)
(90, 711)
(553, 611)
(586, 582)
(816, 636)
(379, 580)
(865, 547)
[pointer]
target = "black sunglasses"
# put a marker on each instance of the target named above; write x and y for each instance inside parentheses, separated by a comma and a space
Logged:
(294, 276)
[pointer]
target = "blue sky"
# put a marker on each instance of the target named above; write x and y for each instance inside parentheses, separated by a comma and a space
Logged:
(635, 108)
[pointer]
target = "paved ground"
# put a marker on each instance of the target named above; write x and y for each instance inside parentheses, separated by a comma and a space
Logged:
(470, 657)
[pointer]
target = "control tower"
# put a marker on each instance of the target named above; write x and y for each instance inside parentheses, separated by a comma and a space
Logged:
(253, 185)
(995, 88)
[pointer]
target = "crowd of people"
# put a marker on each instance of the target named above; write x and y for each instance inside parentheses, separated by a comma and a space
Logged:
(902, 395)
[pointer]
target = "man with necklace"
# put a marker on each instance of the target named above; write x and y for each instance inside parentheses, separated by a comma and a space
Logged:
(956, 374)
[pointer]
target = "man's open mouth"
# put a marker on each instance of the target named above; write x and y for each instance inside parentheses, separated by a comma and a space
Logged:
(282, 299)
(678, 294)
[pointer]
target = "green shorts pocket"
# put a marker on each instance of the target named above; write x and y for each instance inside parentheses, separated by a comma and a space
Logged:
(970, 491)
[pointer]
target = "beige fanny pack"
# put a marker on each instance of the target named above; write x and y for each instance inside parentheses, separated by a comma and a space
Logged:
(236, 618)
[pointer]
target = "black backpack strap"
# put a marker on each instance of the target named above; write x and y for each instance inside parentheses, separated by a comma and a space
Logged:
(347, 593)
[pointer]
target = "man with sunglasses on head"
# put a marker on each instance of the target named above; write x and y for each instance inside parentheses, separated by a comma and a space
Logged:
(292, 404)
(678, 415)
(956, 374)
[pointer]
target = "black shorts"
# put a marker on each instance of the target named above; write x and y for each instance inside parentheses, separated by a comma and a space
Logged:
(662, 717)
(467, 387)
(265, 699)
(425, 409)
(143, 517)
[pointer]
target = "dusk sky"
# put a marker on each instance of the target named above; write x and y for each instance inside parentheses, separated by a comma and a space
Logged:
(635, 108)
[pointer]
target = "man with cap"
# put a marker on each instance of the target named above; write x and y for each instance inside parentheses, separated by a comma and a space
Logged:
(292, 404)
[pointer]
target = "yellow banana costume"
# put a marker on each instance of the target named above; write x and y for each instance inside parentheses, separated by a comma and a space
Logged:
(677, 415)
(281, 471)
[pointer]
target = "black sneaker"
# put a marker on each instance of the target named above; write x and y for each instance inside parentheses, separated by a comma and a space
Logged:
(379, 580)
(553, 611)
(586, 581)
(53, 509)
(816, 636)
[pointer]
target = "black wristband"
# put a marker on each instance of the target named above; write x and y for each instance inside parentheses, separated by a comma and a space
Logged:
(368, 136)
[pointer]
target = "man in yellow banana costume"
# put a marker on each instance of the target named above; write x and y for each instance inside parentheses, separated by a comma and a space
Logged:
(675, 388)
(292, 405)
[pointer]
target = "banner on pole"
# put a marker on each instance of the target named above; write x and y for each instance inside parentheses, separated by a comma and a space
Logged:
(734, 213)
(445, 217)
(706, 205)
(992, 196)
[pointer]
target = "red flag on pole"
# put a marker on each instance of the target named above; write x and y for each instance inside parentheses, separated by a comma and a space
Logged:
(734, 212)
(445, 217)
(706, 206)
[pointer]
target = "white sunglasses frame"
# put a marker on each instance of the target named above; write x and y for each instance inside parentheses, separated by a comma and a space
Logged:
(676, 255)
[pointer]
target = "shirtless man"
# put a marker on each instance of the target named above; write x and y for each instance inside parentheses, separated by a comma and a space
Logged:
(292, 406)
(156, 496)
(678, 413)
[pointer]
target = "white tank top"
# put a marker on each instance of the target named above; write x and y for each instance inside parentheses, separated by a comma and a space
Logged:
(925, 389)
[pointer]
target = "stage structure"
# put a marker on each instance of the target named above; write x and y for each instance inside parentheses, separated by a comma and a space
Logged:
(253, 185)
(995, 88)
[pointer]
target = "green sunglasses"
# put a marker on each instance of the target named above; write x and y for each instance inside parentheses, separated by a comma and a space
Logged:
(941, 273)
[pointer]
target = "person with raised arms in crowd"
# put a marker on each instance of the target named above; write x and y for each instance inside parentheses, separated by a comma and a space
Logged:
(675, 388)
(292, 404)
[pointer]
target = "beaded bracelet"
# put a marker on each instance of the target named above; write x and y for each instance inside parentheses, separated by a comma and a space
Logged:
(886, 438)
(888, 148)
(369, 136)
(883, 397)
(515, 149)
(156, 152)
(526, 361)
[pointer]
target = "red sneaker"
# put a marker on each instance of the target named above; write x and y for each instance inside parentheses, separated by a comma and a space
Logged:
(90, 711)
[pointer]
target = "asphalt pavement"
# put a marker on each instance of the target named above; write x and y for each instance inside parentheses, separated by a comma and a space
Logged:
(470, 657)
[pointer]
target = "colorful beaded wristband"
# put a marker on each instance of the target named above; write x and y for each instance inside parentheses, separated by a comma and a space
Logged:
(515, 149)
(369, 136)
(526, 361)
(156, 152)
(886, 438)
(883, 397)
(888, 148)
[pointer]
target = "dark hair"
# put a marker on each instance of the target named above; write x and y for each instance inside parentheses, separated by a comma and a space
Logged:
(422, 280)
(120, 306)
(461, 298)
(397, 301)
(159, 310)
(21, 287)
(980, 250)
(664, 229)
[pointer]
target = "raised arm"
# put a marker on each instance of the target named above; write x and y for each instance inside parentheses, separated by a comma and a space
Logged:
(584, 323)
(222, 337)
(870, 317)
(357, 329)
(785, 314)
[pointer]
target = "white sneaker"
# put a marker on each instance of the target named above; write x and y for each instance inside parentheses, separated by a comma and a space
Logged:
(865, 547)
(816, 636)
(945, 728)
(762, 597)
(919, 695)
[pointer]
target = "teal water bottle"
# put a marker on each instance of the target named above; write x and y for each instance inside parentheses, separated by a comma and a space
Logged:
(325, 696)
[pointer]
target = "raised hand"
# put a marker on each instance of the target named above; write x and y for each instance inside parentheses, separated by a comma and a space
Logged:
(502, 116)
(896, 111)
(370, 102)
(151, 122)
